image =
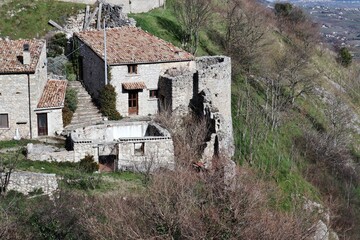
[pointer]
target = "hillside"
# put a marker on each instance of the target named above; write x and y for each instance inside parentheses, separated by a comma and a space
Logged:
(296, 121)
(306, 143)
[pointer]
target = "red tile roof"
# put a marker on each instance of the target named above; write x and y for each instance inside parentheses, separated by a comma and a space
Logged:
(134, 85)
(132, 45)
(11, 52)
(53, 95)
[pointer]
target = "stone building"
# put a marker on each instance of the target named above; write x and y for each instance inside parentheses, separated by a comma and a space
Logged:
(30, 106)
(135, 61)
(137, 146)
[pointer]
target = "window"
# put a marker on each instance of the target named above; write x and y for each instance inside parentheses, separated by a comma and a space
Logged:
(153, 93)
(132, 69)
(139, 149)
(4, 120)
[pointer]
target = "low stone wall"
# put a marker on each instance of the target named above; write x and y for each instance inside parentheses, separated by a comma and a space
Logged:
(41, 152)
(133, 6)
(26, 182)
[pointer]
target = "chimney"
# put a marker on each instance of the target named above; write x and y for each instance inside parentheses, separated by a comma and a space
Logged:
(26, 54)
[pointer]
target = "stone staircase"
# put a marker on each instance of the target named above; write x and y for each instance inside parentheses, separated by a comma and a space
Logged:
(86, 113)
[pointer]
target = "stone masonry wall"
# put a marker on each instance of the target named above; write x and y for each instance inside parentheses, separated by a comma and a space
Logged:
(208, 92)
(14, 99)
(37, 84)
(156, 153)
(215, 76)
(93, 70)
(134, 6)
(26, 182)
(147, 73)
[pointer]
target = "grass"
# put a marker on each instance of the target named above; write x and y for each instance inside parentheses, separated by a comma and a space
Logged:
(29, 18)
(164, 24)
(14, 143)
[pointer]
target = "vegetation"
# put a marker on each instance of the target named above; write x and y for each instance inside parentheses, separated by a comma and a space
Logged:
(29, 19)
(344, 57)
(293, 108)
(107, 101)
(70, 105)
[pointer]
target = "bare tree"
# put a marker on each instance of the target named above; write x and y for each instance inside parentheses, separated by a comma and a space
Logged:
(246, 27)
(192, 15)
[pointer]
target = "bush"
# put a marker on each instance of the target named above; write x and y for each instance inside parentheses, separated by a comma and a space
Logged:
(67, 115)
(107, 101)
(88, 165)
(71, 100)
(82, 181)
(344, 57)
(57, 45)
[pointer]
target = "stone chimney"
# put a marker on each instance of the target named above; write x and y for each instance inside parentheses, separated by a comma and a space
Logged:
(26, 54)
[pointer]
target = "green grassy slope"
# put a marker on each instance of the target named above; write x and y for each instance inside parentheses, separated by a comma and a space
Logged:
(277, 155)
(29, 18)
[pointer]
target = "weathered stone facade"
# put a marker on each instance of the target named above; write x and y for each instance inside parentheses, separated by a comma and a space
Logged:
(207, 91)
(137, 146)
(19, 96)
(27, 182)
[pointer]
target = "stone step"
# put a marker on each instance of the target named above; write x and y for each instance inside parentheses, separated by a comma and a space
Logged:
(86, 113)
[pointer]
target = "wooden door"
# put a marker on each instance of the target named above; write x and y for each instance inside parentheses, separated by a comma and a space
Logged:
(133, 103)
(42, 124)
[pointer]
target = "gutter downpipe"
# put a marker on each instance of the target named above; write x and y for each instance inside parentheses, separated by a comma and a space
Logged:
(30, 122)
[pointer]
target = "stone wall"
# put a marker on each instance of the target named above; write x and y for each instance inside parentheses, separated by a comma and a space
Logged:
(26, 182)
(155, 153)
(147, 73)
(133, 6)
(207, 91)
(14, 99)
(49, 153)
(93, 69)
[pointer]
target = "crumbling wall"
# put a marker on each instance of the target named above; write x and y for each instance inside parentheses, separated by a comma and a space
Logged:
(146, 154)
(27, 182)
(207, 92)
(175, 89)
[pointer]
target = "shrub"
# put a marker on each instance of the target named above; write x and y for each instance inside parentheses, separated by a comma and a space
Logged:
(71, 100)
(82, 181)
(107, 101)
(57, 45)
(88, 165)
(67, 115)
(344, 57)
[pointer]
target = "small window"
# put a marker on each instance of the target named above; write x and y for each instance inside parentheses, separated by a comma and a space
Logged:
(153, 93)
(4, 120)
(139, 149)
(132, 69)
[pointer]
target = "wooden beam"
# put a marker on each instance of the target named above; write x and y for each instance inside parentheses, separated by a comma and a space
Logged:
(99, 17)
(90, 18)
(54, 24)
(86, 16)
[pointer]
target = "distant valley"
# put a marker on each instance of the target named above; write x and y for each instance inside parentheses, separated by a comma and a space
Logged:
(339, 21)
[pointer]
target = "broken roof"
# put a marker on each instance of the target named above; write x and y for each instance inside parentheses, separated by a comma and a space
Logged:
(127, 45)
(11, 55)
(53, 95)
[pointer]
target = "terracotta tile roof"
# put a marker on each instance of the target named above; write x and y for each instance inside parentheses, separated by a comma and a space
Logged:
(132, 45)
(11, 52)
(134, 85)
(53, 95)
